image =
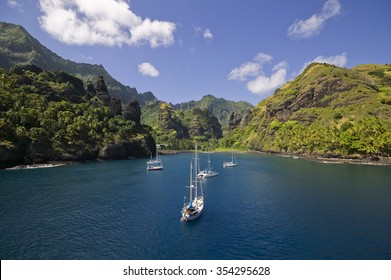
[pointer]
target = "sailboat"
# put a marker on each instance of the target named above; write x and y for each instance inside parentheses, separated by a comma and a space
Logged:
(193, 208)
(206, 173)
(231, 163)
(155, 164)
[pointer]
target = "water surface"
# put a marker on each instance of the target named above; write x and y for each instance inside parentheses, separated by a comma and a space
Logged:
(268, 207)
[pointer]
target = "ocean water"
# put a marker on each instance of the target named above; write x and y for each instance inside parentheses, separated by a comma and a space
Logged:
(268, 207)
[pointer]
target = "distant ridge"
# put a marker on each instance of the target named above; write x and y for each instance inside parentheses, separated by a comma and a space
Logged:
(17, 46)
(219, 107)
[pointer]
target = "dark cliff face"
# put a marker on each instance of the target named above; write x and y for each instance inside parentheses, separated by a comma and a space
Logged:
(234, 121)
(132, 111)
(320, 95)
(115, 107)
(203, 123)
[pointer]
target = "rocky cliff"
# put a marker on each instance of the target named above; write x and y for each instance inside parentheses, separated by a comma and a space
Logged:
(326, 110)
(50, 116)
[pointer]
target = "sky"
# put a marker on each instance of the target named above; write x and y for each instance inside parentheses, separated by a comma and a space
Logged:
(182, 50)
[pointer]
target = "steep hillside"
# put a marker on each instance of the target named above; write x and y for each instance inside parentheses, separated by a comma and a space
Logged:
(17, 46)
(327, 111)
(50, 116)
(179, 128)
(219, 107)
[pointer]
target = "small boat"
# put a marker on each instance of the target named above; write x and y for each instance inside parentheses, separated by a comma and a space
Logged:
(194, 207)
(155, 164)
(231, 163)
(206, 173)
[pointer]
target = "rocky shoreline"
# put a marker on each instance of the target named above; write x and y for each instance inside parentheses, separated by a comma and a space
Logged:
(364, 160)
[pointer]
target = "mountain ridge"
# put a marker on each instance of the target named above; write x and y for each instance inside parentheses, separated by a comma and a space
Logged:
(327, 110)
(17, 46)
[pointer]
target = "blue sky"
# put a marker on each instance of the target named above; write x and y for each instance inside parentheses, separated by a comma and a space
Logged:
(182, 50)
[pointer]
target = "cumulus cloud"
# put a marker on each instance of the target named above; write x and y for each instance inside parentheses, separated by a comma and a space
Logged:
(257, 81)
(206, 33)
(337, 60)
(102, 22)
(147, 69)
(313, 25)
(263, 58)
(244, 71)
(264, 84)
(15, 5)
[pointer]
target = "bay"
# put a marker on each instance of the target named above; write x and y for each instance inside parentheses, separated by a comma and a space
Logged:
(268, 207)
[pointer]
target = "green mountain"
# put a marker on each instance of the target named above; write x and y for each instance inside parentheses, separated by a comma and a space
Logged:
(219, 107)
(327, 111)
(17, 46)
(50, 116)
(179, 128)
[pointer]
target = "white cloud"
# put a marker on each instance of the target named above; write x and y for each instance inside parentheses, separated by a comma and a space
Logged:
(15, 5)
(312, 26)
(257, 81)
(263, 58)
(206, 33)
(264, 84)
(147, 69)
(102, 22)
(337, 60)
(244, 71)
(84, 57)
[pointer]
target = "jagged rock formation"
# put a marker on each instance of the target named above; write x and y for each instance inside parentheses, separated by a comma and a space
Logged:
(101, 91)
(132, 111)
(115, 106)
(234, 121)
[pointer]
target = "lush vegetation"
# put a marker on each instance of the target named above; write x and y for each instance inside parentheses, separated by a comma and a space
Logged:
(219, 107)
(328, 111)
(178, 129)
(54, 110)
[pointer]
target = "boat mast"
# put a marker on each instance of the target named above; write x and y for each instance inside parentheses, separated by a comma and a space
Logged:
(191, 183)
(196, 170)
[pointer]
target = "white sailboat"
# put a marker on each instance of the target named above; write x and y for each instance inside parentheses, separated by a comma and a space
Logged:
(206, 173)
(231, 163)
(193, 208)
(155, 164)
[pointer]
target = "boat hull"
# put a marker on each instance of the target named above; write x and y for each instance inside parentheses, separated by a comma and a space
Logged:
(229, 164)
(207, 174)
(190, 213)
(155, 168)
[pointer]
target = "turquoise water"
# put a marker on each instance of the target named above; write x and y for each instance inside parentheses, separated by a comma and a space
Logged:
(268, 207)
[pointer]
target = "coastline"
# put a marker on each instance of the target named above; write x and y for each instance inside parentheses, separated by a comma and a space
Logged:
(326, 159)
(331, 159)
(49, 164)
